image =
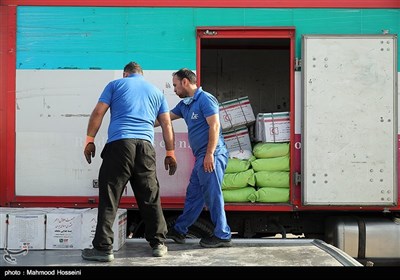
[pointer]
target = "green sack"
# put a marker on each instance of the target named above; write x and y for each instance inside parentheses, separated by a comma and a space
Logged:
(238, 180)
(270, 150)
(238, 195)
(271, 164)
(273, 179)
(235, 165)
(270, 195)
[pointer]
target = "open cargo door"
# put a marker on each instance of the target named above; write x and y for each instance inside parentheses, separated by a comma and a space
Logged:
(349, 134)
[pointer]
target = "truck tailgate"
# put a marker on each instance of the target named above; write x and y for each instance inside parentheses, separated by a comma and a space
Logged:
(244, 252)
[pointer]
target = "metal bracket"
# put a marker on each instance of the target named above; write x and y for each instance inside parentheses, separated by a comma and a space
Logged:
(210, 32)
(95, 183)
(297, 178)
(297, 64)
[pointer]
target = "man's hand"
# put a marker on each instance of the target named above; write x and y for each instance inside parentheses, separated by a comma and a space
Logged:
(90, 151)
(170, 163)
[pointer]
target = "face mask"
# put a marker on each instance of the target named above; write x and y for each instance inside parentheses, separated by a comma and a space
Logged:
(188, 100)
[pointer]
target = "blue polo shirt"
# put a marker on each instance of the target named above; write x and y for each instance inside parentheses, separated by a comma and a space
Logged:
(134, 106)
(203, 105)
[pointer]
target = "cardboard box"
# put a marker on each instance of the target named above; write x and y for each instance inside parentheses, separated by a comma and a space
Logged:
(89, 222)
(26, 229)
(273, 127)
(4, 211)
(238, 143)
(235, 113)
(3, 230)
(120, 229)
(64, 228)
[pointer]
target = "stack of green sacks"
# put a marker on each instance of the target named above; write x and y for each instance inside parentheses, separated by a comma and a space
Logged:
(271, 172)
(238, 181)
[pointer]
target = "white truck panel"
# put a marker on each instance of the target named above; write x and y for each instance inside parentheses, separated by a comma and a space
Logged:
(349, 90)
(52, 113)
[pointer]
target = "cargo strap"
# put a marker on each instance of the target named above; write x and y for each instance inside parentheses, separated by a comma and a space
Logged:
(361, 238)
(273, 126)
(228, 118)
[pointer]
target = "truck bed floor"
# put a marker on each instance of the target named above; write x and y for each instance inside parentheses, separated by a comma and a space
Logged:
(244, 252)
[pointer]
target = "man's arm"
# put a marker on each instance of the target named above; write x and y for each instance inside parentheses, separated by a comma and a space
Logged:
(172, 117)
(165, 122)
(95, 120)
(213, 135)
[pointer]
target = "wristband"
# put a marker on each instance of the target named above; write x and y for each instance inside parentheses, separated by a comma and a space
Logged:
(89, 139)
(171, 153)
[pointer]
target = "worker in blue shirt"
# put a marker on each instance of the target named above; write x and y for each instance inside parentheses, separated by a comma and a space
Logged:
(129, 156)
(200, 110)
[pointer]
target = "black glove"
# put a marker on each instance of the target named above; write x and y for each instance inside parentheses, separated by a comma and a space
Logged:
(170, 163)
(89, 151)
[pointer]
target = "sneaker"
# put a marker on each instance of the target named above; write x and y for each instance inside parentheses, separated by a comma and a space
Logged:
(96, 255)
(215, 242)
(176, 236)
(159, 250)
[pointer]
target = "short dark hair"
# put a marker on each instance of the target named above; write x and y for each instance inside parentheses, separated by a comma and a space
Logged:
(133, 67)
(186, 73)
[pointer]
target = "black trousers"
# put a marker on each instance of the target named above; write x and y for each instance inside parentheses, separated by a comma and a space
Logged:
(132, 160)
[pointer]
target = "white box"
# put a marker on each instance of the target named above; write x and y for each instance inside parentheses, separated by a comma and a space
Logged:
(63, 228)
(236, 112)
(273, 127)
(26, 229)
(120, 229)
(238, 143)
(89, 222)
(3, 230)
(4, 211)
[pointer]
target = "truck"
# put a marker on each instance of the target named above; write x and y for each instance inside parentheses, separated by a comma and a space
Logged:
(330, 67)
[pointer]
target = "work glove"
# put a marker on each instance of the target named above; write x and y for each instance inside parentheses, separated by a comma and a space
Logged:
(89, 151)
(170, 163)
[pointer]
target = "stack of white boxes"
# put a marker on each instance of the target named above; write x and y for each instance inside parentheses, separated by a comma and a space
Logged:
(236, 112)
(235, 116)
(55, 228)
(4, 212)
(3, 230)
(273, 127)
(238, 142)
(26, 229)
(89, 223)
(63, 228)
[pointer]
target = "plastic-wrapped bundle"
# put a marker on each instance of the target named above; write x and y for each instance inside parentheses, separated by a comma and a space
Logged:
(270, 195)
(235, 165)
(271, 164)
(273, 179)
(238, 180)
(270, 150)
(238, 195)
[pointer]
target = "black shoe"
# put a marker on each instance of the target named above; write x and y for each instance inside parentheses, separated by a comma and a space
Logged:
(215, 242)
(96, 255)
(176, 236)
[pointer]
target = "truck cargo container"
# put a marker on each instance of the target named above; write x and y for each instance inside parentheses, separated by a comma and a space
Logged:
(331, 68)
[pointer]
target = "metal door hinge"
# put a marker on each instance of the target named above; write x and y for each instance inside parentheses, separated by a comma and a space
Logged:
(297, 64)
(297, 178)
